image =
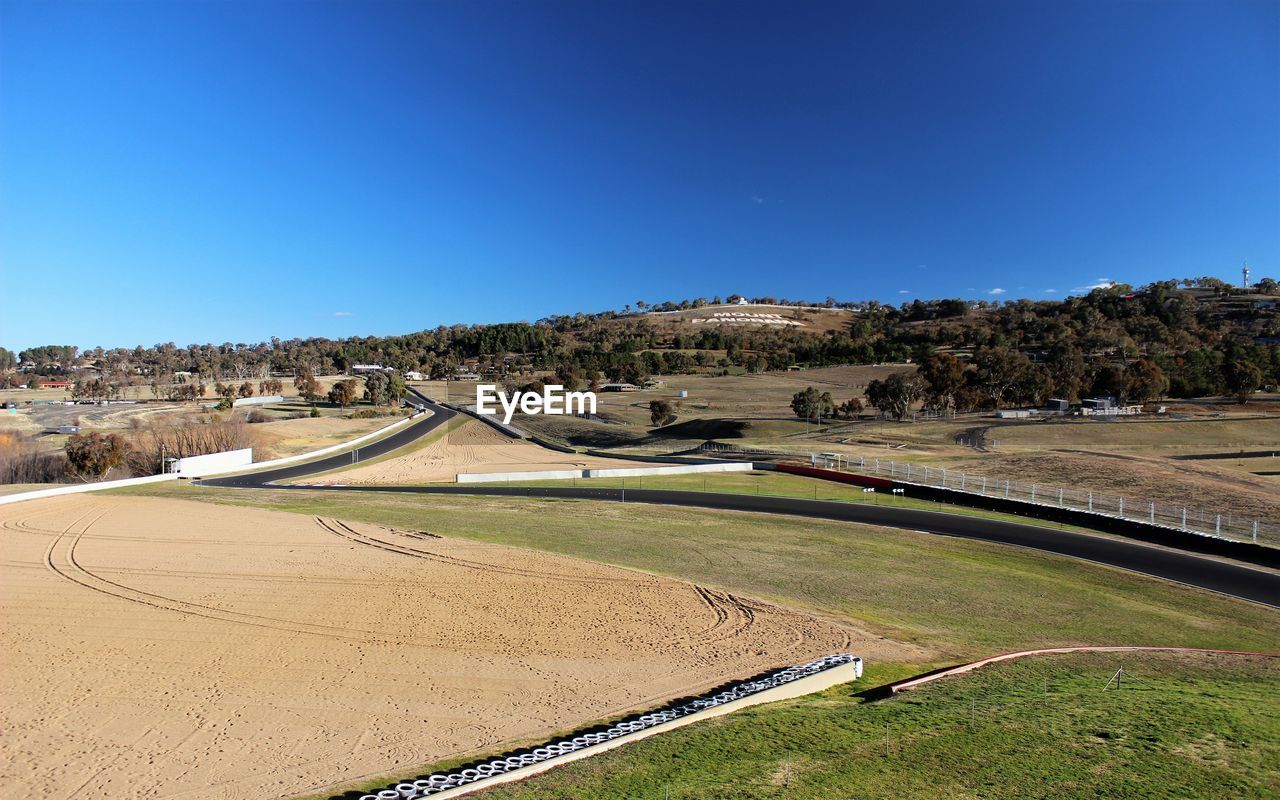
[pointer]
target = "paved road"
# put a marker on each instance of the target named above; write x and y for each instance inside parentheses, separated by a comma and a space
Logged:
(395, 441)
(1236, 580)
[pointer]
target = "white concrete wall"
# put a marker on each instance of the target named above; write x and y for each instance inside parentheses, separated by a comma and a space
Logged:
(683, 469)
(83, 487)
(213, 462)
(503, 477)
(257, 401)
(612, 472)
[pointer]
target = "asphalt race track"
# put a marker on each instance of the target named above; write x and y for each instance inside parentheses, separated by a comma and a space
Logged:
(395, 441)
(1224, 577)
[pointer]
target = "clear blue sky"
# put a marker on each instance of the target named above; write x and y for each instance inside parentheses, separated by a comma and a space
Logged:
(229, 171)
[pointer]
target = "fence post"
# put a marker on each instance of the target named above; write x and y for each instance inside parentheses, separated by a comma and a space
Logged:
(1217, 524)
(1153, 512)
(1090, 502)
(962, 477)
(1121, 508)
(1255, 531)
(1059, 498)
(1006, 490)
(984, 484)
(1033, 492)
(1184, 518)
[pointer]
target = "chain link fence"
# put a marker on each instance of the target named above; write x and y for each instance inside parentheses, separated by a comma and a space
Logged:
(1224, 525)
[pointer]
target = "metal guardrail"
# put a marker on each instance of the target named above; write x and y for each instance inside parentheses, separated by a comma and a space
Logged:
(1234, 527)
(1223, 525)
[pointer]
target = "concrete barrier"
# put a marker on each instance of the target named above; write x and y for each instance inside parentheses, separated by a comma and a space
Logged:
(213, 462)
(83, 487)
(682, 469)
(611, 472)
(504, 477)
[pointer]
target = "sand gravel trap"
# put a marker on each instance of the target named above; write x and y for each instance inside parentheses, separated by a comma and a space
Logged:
(471, 446)
(156, 648)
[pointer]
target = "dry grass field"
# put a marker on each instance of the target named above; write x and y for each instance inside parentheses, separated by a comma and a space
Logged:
(164, 648)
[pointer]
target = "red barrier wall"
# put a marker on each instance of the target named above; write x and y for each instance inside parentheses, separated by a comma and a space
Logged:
(832, 475)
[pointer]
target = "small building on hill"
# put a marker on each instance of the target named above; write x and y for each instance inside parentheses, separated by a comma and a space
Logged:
(54, 385)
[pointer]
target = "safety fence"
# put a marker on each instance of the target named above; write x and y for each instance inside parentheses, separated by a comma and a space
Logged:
(1223, 525)
(526, 761)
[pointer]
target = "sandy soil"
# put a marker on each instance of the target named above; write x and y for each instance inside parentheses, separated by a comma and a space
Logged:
(164, 648)
(472, 446)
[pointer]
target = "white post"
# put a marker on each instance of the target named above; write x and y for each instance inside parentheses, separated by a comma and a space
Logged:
(984, 484)
(1090, 502)
(1059, 498)
(962, 477)
(1255, 531)
(1006, 490)
(1121, 508)
(1184, 518)
(1153, 511)
(1217, 524)
(1033, 492)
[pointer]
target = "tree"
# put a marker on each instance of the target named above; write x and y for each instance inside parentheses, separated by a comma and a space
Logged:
(343, 393)
(1146, 381)
(227, 391)
(246, 389)
(271, 386)
(1066, 372)
(375, 388)
(397, 389)
(92, 455)
(851, 408)
(1243, 379)
(895, 394)
(811, 404)
(943, 376)
(659, 412)
(308, 387)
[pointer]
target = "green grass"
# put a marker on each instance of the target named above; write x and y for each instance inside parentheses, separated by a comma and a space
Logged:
(952, 596)
(780, 484)
(1194, 726)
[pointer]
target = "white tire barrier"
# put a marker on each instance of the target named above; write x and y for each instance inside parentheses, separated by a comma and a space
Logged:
(440, 782)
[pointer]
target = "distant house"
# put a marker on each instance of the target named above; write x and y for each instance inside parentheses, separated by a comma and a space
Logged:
(413, 376)
(360, 369)
(54, 385)
(742, 301)
(618, 387)
(466, 376)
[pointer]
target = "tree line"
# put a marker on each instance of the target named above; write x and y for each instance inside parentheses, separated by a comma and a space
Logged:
(1186, 338)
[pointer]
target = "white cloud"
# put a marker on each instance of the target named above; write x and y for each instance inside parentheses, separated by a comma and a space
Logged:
(342, 313)
(1101, 283)
(996, 290)
(757, 199)
(904, 291)
(1050, 291)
